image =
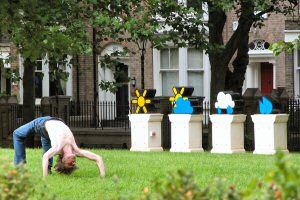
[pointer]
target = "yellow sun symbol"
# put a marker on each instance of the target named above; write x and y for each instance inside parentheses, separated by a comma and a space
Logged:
(141, 101)
(177, 95)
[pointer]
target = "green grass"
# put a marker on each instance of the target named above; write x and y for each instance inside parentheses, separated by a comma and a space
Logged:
(129, 172)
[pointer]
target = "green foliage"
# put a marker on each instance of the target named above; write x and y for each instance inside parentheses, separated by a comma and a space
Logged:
(284, 182)
(109, 86)
(180, 185)
(120, 77)
(18, 183)
(282, 46)
(38, 27)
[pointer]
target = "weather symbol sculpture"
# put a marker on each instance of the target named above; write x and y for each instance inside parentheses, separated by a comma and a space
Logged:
(224, 101)
(143, 100)
(180, 101)
(183, 92)
(265, 106)
(183, 106)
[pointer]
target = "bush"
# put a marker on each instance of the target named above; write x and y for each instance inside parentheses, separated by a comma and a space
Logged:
(284, 182)
(17, 183)
(180, 185)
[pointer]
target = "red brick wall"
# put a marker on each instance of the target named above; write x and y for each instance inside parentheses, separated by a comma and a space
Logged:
(86, 77)
(272, 31)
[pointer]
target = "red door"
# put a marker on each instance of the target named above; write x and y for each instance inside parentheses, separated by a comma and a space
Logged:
(266, 78)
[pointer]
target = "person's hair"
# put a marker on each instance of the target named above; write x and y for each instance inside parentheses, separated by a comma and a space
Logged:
(62, 167)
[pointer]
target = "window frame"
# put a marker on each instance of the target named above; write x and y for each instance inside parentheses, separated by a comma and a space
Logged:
(183, 70)
(296, 69)
(46, 78)
(170, 70)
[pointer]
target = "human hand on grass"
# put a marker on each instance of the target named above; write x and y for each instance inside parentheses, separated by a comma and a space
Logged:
(101, 167)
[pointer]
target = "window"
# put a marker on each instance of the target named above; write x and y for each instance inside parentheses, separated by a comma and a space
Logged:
(169, 69)
(45, 85)
(297, 74)
(194, 4)
(195, 70)
(197, 5)
(56, 87)
(188, 3)
(38, 79)
(180, 67)
(5, 71)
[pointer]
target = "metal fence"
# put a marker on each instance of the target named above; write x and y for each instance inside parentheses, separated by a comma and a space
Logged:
(294, 125)
(15, 114)
(107, 114)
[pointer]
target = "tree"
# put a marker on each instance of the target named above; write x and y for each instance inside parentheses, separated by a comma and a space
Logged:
(249, 14)
(158, 22)
(148, 23)
(38, 28)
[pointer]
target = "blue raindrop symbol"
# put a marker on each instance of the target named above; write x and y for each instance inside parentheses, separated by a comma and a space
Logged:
(265, 106)
(229, 110)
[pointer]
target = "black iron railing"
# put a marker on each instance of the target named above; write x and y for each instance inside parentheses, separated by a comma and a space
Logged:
(108, 115)
(294, 125)
(15, 114)
(111, 115)
(79, 115)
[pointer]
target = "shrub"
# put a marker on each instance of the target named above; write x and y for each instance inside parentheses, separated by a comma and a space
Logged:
(284, 182)
(180, 185)
(17, 183)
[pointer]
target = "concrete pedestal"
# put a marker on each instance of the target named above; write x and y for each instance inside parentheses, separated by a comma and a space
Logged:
(270, 133)
(146, 132)
(227, 133)
(186, 133)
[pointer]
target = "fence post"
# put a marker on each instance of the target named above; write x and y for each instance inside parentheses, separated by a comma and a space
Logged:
(164, 108)
(283, 99)
(251, 101)
(251, 98)
(45, 106)
(6, 119)
(60, 106)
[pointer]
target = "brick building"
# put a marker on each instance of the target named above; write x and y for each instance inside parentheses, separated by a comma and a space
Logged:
(172, 66)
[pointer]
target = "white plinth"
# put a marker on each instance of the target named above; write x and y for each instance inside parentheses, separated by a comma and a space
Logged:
(227, 133)
(270, 133)
(146, 132)
(186, 132)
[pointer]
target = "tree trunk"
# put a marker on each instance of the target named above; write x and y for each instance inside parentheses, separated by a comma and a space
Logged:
(217, 19)
(235, 79)
(240, 63)
(143, 68)
(29, 96)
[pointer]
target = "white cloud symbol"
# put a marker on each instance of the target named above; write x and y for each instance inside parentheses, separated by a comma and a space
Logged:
(224, 100)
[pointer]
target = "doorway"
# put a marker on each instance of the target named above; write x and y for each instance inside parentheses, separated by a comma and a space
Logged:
(122, 94)
(266, 78)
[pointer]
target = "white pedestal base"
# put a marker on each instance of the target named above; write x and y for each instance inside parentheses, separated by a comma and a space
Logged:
(270, 133)
(146, 132)
(227, 133)
(186, 133)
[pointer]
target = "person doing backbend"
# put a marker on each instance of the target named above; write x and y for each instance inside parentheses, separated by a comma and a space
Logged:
(57, 139)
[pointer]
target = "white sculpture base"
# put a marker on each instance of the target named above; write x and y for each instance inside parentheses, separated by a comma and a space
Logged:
(146, 132)
(227, 133)
(186, 132)
(270, 133)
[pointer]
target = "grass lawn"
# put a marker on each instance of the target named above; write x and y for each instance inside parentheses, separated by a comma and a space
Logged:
(129, 172)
